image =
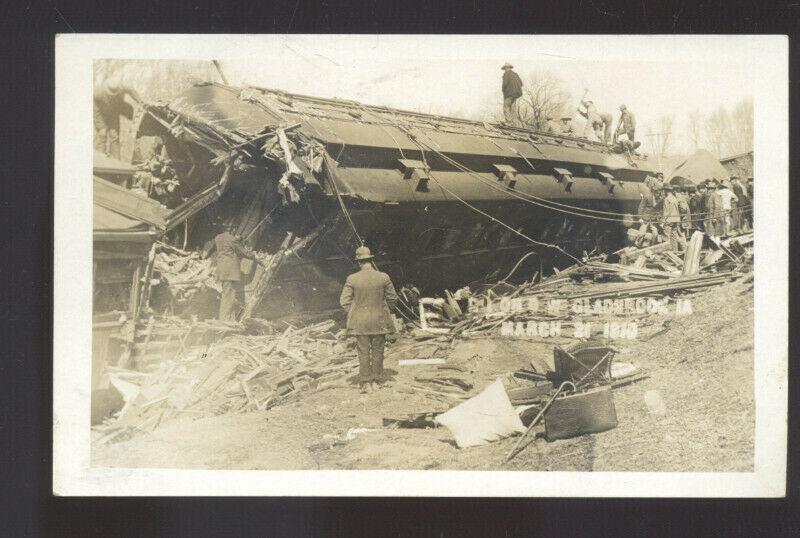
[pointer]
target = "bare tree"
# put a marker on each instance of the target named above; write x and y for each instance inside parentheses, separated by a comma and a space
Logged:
(694, 128)
(543, 95)
(659, 135)
(729, 133)
(718, 131)
(159, 80)
(742, 122)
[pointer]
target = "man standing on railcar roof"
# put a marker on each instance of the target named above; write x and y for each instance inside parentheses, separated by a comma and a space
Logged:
(626, 125)
(512, 90)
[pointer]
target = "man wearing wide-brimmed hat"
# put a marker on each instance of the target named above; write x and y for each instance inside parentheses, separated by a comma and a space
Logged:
(738, 220)
(230, 252)
(368, 297)
(566, 124)
(512, 90)
(109, 105)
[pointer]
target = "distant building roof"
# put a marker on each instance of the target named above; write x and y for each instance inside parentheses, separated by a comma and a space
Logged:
(699, 167)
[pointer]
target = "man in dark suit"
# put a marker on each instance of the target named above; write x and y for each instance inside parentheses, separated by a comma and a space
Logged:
(512, 90)
(368, 297)
(230, 252)
(738, 220)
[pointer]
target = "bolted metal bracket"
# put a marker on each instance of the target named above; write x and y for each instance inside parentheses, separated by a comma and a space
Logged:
(507, 174)
(417, 171)
(564, 176)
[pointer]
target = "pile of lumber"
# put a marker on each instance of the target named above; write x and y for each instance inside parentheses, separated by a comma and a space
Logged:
(185, 274)
(237, 374)
(159, 337)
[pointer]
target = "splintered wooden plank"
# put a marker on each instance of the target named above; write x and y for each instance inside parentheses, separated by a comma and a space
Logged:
(691, 261)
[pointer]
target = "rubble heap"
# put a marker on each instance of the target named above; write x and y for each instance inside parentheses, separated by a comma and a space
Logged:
(256, 366)
(237, 374)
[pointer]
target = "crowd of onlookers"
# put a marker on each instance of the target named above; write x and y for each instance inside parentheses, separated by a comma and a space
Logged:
(675, 209)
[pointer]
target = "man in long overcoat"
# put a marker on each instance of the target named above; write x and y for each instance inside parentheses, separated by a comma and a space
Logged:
(230, 252)
(368, 297)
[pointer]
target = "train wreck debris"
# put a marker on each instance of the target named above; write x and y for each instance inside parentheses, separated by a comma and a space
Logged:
(222, 251)
(208, 368)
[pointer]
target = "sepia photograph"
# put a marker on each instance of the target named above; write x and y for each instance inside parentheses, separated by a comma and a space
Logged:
(427, 253)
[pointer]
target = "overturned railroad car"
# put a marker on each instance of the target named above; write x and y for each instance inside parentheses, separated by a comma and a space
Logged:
(441, 201)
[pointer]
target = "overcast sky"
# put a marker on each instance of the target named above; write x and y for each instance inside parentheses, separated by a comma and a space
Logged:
(460, 75)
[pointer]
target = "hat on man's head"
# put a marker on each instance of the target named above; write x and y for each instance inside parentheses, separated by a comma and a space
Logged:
(668, 187)
(734, 176)
(623, 107)
(566, 117)
(363, 253)
(691, 188)
(659, 174)
(507, 66)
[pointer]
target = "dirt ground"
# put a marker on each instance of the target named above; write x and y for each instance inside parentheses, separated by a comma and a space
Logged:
(696, 412)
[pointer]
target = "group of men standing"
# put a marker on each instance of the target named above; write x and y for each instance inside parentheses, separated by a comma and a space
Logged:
(718, 208)
(599, 122)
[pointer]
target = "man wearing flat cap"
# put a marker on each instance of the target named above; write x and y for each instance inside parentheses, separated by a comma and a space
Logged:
(715, 211)
(626, 125)
(566, 125)
(512, 90)
(368, 297)
(672, 218)
(707, 204)
(695, 206)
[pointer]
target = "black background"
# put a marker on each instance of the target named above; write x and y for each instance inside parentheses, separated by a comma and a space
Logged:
(27, 78)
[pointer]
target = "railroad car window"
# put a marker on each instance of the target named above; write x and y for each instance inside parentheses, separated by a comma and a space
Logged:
(505, 237)
(450, 240)
(432, 239)
(472, 242)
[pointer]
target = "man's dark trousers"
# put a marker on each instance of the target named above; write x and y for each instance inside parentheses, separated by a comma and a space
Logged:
(370, 357)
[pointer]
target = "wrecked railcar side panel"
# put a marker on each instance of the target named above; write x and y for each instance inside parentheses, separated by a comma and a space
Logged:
(453, 218)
